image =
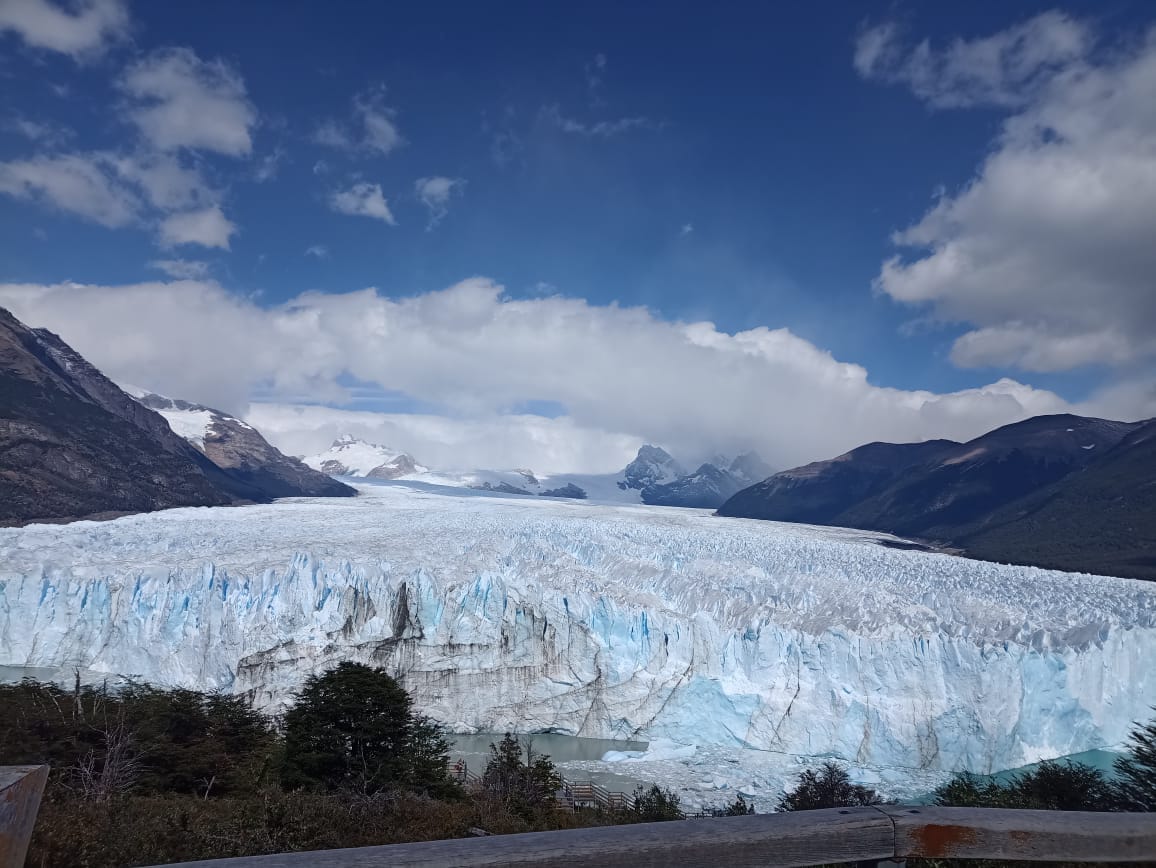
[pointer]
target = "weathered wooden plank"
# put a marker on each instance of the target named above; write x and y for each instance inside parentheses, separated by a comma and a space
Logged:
(762, 840)
(20, 790)
(1040, 836)
(769, 840)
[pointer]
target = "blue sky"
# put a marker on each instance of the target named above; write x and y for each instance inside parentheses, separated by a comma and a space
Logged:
(745, 165)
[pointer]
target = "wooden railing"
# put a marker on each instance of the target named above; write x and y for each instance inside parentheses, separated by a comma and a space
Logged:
(572, 795)
(20, 790)
(836, 835)
(887, 833)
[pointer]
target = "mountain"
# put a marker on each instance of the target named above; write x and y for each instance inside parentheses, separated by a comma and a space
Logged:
(652, 477)
(1101, 518)
(652, 466)
(709, 486)
(72, 444)
(237, 447)
(820, 492)
(349, 456)
(963, 493)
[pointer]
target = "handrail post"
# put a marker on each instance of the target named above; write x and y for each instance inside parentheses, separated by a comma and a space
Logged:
(20, 790)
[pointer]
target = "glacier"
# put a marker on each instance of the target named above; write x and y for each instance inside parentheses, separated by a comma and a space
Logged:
(600, 620)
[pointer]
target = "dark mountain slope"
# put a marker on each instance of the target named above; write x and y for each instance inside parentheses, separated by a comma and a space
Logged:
(820, 492)
(1100, 519)
(960, 489)
(1012, 494)
(238, 448)
(72, 444)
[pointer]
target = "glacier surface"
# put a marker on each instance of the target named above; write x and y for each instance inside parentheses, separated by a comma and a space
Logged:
(599, 620)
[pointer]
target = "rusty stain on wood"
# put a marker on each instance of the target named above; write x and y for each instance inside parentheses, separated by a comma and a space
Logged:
(885, 832)
(937, 840)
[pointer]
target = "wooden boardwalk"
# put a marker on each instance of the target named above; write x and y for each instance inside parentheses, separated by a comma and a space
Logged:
(573, 794)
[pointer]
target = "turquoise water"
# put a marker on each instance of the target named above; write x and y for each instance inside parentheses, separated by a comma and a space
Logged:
(474, 751)
(1097, 759)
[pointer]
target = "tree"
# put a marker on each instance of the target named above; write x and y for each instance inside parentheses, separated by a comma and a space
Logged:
(738, 808)
(525, 786)
(655, 805)
(1136, 770)
(102, 742)
(1051, 786)
(354, 727)
(830, 787)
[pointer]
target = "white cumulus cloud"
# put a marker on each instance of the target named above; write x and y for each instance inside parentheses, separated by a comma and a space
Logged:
(435, 193)
(1005, 69)
(362, 200)
(1047, 253)
(80, 184)
(372, 128)
(182, 101)
(208, 227)
(80, 29)
(621, 374)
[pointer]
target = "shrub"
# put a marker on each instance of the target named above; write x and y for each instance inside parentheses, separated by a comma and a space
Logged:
(1052, 786)
(830, 787)
(654, 805)
(1136, 788)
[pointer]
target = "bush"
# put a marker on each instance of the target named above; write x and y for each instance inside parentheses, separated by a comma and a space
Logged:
(654, 805)
(1136, 770)
(737, 808)
(830, 787)
(526, 787)
(1052, 786)
(354, 728)
(103, 741)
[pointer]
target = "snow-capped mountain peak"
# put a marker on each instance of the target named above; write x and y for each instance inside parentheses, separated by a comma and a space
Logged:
(351, 456)
(652, 466)
(238, 448)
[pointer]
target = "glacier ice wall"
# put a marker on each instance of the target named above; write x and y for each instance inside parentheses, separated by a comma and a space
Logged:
(599, 621)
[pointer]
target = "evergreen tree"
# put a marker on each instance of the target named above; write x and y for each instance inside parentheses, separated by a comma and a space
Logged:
(830, 787)
(526, 785)
(1136, 770)
(354, 728)
(655, 805)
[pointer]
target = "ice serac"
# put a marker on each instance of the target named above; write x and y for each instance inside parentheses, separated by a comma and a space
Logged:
(597, 620)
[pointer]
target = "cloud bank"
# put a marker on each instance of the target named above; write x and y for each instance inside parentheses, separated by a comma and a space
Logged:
(1047, 252)
(622, 375)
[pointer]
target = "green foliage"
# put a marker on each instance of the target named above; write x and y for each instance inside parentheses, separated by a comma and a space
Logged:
(830, 787)
(1052, 786)
(152, 830)
(655, 805)
(354, 728)
(525, 786)
(101, 741)
(1136, 770)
